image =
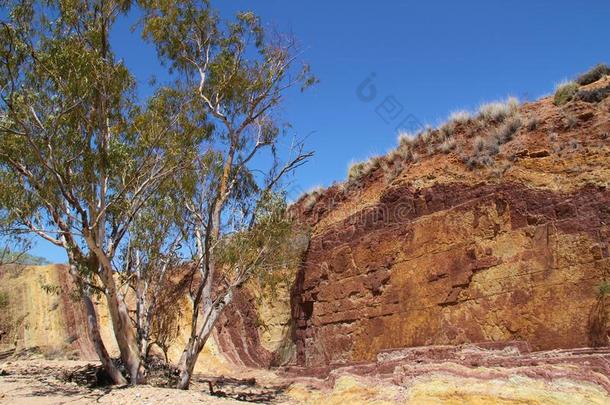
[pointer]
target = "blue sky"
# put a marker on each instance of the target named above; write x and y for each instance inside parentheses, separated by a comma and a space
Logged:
(430, 58)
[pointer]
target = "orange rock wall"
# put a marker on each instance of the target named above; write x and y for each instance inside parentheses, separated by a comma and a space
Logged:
(447, 255)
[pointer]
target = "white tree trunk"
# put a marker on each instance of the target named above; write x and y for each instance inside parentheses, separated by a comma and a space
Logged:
(93, 330)
(125, 336)
(197, 342)
(98, 344)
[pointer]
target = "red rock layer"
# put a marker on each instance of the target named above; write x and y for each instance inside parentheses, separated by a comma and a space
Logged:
(237, 333)
(479, 361)
(369, 276)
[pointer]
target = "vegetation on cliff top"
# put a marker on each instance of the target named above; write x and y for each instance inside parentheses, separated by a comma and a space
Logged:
(569, 90)
(491, 126)
(499, 118)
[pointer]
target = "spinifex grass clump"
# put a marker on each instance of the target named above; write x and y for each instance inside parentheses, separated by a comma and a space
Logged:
(564, 92)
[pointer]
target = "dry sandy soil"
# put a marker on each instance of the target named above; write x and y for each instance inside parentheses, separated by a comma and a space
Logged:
(580, 379)
(40, 382)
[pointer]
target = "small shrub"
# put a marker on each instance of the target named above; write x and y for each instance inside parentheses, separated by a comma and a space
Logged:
(475, 162)
(571, 121)
(471, 163)
(447, 146)
(603, 289)
(507, 131)
(593, 75)
(593, 96)
(532, 123)
(3, 300)
(498, 111)
(564, 92)
(50, 289)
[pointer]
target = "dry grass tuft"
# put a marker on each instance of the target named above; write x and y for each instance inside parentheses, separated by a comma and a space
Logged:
(564, 92)
(447, 146)
(394, 155)
(485, 149)
(478, 144)
(571, 121)
(498, 111)
(460, 117)
(426, 136)
(359, 170)
(356, 171)
(507, 131)
(310, 198)
(406, 138)
(532, 123)
(446, 131)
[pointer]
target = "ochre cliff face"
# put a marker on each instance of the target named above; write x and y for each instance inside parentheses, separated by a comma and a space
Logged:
(47, 320)
(438, 255)
(38, 312)
(447, 255)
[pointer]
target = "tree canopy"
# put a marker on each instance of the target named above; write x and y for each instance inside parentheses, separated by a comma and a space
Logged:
(190, 178)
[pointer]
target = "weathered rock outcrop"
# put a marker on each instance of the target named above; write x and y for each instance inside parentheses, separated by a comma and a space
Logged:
(37, 315)
(483, 373)
(445, 255)
(433, 252)
(40, 314)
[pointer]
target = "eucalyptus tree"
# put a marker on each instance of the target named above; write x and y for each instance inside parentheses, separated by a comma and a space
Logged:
(80, 155)
(235, 220)
(153, 267)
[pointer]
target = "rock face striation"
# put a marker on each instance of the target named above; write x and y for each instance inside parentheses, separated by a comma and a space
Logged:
(444, 254)
(40, 315)
(486, 236)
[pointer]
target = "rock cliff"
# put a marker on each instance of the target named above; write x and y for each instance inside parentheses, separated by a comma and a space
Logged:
(492, 228)
(442, 249)
(40, 315)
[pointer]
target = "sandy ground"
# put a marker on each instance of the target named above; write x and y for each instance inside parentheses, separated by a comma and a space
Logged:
(38, 382)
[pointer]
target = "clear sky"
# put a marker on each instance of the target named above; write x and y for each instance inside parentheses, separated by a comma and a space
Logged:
(428, 58)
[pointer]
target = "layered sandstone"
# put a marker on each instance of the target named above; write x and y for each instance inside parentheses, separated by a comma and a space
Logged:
(41, 315)
(443, 254)
(439, 282)
(484, 373)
